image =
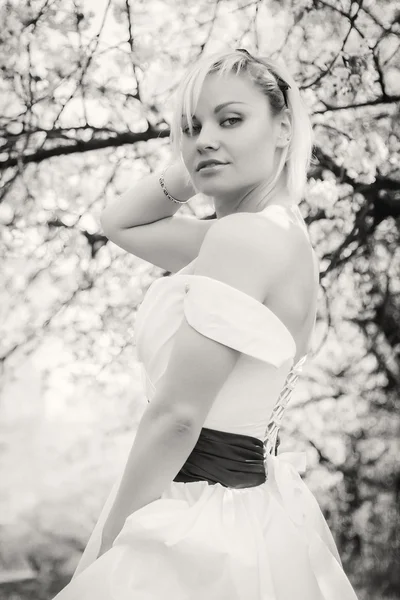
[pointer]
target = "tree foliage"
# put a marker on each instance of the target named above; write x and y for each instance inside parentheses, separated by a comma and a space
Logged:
(84, 110)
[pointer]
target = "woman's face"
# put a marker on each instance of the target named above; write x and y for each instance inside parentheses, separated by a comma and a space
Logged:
(232, 124)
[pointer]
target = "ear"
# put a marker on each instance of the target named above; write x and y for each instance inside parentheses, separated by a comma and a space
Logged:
(284, 129)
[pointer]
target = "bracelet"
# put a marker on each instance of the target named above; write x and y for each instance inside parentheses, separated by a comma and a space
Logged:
(164, 189)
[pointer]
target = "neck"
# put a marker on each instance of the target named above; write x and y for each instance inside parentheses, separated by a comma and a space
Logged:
(255, 199)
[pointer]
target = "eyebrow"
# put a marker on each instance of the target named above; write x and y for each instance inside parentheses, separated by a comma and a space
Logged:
(221, 106)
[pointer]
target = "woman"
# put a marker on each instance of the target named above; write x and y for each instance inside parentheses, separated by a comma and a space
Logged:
(205, 507)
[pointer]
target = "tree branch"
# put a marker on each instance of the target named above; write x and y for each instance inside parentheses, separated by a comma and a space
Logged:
(85, 146)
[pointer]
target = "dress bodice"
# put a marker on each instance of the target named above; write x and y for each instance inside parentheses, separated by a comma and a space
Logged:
(255, 394)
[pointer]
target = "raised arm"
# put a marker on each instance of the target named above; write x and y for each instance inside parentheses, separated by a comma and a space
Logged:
(145, 202)
(143, 221)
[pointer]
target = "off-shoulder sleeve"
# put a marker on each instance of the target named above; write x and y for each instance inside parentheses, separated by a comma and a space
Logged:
(235, 319)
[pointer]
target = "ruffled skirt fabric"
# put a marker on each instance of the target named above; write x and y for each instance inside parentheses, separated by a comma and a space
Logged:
(209, 542)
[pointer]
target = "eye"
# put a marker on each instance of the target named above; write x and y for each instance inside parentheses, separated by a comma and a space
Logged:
(232, 120)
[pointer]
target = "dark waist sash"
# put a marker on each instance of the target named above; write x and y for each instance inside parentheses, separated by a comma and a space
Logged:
(231, 459)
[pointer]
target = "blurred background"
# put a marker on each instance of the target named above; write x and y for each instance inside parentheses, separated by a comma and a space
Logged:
(84, 112)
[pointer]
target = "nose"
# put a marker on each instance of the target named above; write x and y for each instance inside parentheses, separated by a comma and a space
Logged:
(207, 138)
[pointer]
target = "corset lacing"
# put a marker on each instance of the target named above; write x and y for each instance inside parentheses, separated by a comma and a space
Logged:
(271, 441)
(234, 460)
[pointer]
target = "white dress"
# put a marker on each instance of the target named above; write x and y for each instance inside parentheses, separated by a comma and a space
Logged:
(210, 542)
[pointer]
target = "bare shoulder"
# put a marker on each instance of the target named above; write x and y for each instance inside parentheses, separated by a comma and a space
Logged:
(268, 238)
(250, 252)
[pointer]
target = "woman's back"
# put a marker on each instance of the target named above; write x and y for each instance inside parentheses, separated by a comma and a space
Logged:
(294, 300)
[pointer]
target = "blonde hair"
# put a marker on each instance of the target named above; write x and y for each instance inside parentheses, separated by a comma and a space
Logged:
(272, 79)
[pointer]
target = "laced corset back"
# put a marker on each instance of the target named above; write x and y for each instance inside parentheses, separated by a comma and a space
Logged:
(275, 421)
(271, 441)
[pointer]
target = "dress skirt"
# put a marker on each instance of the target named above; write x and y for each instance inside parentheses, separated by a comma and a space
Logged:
(202, 541)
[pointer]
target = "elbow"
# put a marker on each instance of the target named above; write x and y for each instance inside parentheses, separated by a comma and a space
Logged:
(107, 225)
(182, 422)
(104, 220)
(179, 420)
(183, 427)
(188, 420)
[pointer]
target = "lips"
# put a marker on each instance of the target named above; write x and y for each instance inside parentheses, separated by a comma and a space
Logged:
(209, 163)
